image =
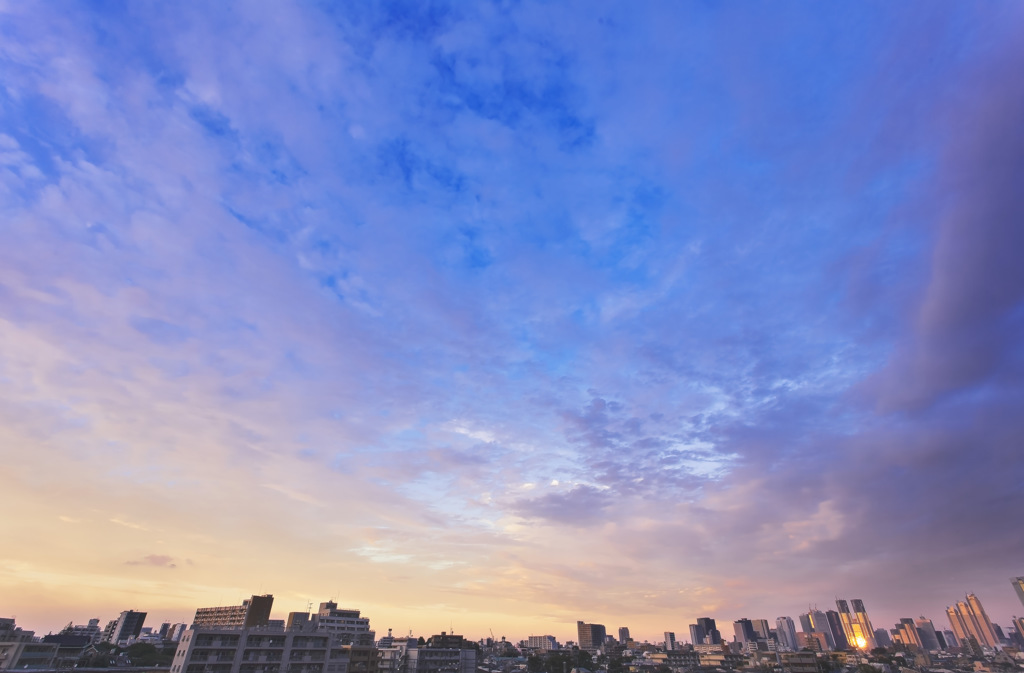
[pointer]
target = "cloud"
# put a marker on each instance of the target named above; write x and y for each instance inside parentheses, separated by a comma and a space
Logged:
(581, 506)
(158, 560)
(968, 324)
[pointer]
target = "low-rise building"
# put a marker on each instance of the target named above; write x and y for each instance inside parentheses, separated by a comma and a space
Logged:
(800, 662)
(543, 643)
(441, 660)
(91, 630)
(20, 650)
(269, 650)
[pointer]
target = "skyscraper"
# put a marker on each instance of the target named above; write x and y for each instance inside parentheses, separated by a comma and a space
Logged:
(711, 634)
(856, 625)
(815, 621)
(744, 631)
(968, 619)
(1018, 623)
(1018, 586)
(696, 634)
(623, 634)
(128, 625)
(786, 631)
(929, 637)
(670, 641)
(835, 625)
(906, 633)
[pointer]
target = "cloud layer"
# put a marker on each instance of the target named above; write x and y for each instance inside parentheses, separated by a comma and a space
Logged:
(510, 315)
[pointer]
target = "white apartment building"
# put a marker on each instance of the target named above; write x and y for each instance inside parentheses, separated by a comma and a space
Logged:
(268, 650)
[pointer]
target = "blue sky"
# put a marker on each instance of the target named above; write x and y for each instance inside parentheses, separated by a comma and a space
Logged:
(511, 314)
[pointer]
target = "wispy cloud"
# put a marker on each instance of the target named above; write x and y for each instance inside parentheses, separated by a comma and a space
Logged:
(158, 560)
(722, 286)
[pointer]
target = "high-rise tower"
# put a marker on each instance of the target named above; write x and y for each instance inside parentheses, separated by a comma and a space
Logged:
(856, 625)
(1018, 586)
(968, 619)
(707, 631)
(744, 630)
(816, 621)
(929, 636)
(591, 636)
(835, 624)
(786, 631)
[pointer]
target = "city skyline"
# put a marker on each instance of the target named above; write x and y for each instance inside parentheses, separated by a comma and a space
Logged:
(231, 613)
(511, 314)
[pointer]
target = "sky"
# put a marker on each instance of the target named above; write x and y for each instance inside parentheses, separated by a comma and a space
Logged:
(503, 315)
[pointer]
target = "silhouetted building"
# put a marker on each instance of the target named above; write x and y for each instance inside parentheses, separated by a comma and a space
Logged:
(623, 634)
(882, 638)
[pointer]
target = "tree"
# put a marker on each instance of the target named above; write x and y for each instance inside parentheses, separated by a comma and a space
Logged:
(144, 654)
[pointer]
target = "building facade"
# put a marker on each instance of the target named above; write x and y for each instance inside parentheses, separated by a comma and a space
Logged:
(268, 650)
(126, 627)
(91, 630)
(254, 611)
(705, 632)
(442, 654)
(856, 624)
(542, 643)
(344, 624)
(591, 636)
(969, 620)
(928, 635)
(785, 629)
